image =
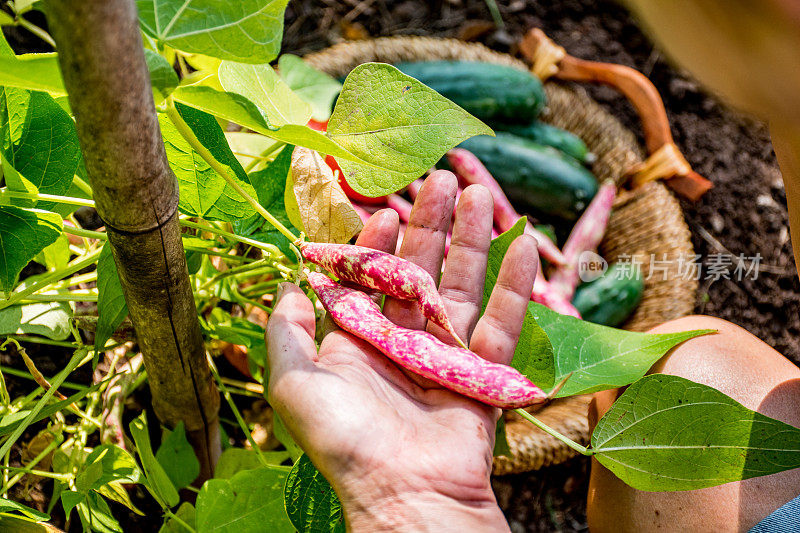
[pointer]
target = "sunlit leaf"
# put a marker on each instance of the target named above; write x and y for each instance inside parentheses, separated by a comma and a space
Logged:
(158, 482)
(234, 460)
(162, 76)
(327, 214)
(668, 433)
(248, 30)
(384, 115)
(10, 506)
(185, 514)
(313, 86)
(48, 319)
(249, 502)
(600, 357)
(261, 85)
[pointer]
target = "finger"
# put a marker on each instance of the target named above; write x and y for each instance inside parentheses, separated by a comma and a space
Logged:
(380, 232)
(423, 242)
(497, 332)
(290, 332)
(465, 271)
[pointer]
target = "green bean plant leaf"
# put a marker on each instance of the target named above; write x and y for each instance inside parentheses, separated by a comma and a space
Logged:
(163, 78)
(261, 85)
(533, 355)
(38, 142)
(48, 319)
(310, 501)
(599, 357)
(249, 502)
(23, 234)
(96, 515)
(186, 514)
(384, 115)
(157, 481)
(107, 463)
(203, 192)
(310, 84)
(7, 507)
(177, 457)
(56, 255)
(234, 460)
(238, 109)
(111, 306)
(249, 148)
(249, 31)
(668, 433)
(39, 72)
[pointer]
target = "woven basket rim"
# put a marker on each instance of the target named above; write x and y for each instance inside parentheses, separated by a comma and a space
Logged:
(648, 219)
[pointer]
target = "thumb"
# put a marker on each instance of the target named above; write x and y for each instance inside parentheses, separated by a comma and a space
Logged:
(290, 332)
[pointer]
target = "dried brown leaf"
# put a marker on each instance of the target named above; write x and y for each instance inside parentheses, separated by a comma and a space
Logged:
(327, 214)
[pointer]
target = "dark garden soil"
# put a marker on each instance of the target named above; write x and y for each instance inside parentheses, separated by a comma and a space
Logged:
(745, 213)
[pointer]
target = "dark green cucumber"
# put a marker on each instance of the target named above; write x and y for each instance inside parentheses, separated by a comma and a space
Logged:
(548, 135)
(488, 91)
(535, 176)
(611, 298)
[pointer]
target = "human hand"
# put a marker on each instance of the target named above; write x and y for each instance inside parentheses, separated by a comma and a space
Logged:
(401, 452)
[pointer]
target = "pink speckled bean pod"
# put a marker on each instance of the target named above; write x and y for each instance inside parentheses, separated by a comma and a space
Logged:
(383, 272)
(401, 205)
(414, 187)
(471, 171)
(585, 236)
(454, 368)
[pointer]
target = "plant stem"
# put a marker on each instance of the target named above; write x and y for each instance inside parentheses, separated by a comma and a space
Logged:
(183, 524)
(89, 234)
(271, 248)
(583, 450)
(71, 200)
(56, 275)
(41, 473)
(82, 185)
(36, 30)
(75, 296)
(21, 374)
(187, 133)
(242, 425)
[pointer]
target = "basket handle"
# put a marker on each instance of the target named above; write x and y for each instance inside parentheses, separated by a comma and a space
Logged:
(665, 161)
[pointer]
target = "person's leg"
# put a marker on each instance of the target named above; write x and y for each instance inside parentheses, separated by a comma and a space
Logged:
(749, 371)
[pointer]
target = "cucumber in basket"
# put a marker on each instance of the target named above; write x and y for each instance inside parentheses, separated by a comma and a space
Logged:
(611, 298)
(548, 135)
(535, 176)
(489, 91)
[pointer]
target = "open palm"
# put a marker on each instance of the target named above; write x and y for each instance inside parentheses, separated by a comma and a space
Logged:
(374, 430)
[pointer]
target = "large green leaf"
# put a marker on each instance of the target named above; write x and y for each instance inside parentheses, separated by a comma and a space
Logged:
(249, 502)
(158, 482)
(313, 86)
(600, 357)
(234, 460)
(203, 192)
(310, 501)
(38, 141)
(39, 72)
(668, 433)
(177, 457)
(533, 355)
(49, 319)
(107, 463)
(384, 115)
(238, 109)
(249, 31)
(23, 234)
(261, 85)
(111, 306)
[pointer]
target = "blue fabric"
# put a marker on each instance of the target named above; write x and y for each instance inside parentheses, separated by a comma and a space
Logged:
(783, 519)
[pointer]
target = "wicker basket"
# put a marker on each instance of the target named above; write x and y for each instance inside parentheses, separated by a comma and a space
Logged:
(645, 221)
